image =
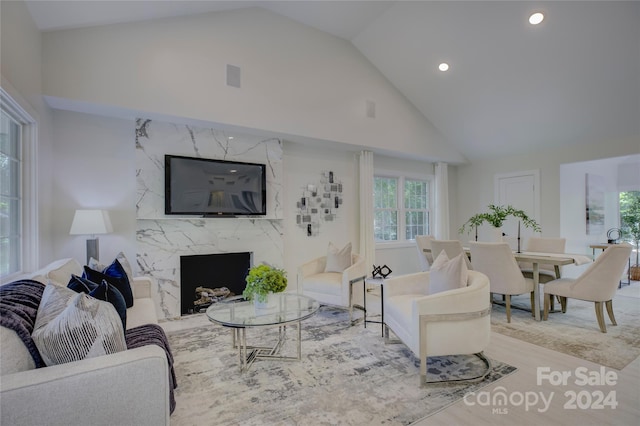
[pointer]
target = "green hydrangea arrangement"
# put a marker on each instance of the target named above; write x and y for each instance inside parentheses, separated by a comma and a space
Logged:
(262, 280)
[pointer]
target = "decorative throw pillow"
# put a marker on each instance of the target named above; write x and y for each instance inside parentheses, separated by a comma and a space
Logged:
(103, 291)
(85, 328)
(338, 259)
(97, 266)
(447, 274)
(115, 275)
(62, 270)
(125, 265)
(55, 299)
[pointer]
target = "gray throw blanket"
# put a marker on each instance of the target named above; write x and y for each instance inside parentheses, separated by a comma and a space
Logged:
(19, 303)
(153, 334)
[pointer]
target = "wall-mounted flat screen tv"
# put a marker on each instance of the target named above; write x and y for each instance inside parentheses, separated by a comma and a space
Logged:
(208, 187)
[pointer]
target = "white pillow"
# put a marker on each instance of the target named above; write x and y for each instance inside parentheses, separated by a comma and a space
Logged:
(61, 274)
(338, 260)
(447, 274)
(71, 329)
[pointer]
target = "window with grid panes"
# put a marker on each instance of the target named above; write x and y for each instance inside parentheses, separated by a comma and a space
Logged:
(401, 208)
(10, 195)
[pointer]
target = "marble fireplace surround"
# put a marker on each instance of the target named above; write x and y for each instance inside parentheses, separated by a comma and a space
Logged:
(162, 239)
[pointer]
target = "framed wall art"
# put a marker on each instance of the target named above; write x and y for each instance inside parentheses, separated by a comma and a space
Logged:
(594, 196)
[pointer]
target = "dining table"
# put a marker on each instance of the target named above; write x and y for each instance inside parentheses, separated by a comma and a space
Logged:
(537, 259)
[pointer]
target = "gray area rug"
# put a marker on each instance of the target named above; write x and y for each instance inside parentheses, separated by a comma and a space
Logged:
(347, 376)
(576, 332)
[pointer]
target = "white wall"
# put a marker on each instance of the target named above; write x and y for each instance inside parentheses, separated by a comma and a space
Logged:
(303, 165)
(94, 164)
(572, 211)
(296, 81)
(474, 188)
(20, 66)
(95, 167)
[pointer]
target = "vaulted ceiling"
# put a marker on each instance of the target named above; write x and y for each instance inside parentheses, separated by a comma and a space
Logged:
(511, 88)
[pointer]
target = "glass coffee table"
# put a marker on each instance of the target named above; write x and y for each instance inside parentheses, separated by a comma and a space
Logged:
(239, 314)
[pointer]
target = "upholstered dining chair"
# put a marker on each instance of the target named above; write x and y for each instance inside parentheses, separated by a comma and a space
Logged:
(496, 261)
(334, 279)
(451, 247)
(451, 322)
(426, 259)
(543, 245)
(597, 284)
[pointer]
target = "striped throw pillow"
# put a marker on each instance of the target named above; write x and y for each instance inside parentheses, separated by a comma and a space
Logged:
(74, 327)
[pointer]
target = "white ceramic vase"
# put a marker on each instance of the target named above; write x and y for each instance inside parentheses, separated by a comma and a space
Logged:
(269, 303)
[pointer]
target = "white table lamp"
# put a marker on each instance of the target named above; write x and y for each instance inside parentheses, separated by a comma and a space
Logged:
(91, 222)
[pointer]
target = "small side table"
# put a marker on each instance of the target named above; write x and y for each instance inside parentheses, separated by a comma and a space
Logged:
(378, 281)
(603, 247)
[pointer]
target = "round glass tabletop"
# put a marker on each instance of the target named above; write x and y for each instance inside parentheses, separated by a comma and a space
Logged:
(286, 308)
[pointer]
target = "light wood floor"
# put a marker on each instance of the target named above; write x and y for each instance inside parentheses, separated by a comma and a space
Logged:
(528, 358)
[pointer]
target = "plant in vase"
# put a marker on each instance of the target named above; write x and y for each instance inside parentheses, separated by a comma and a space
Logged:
(262, 280)
(496, 217)
(630, 220)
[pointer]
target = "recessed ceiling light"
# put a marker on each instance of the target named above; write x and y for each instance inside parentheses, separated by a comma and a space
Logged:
(536, 18)
(443, 66)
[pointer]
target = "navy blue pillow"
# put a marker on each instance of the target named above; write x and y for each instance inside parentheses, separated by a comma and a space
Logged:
(115, 275)
(102, 291)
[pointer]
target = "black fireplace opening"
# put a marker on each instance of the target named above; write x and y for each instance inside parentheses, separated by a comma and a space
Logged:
(208, 278)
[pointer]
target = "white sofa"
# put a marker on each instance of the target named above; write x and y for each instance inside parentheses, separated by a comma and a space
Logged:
(125, 388)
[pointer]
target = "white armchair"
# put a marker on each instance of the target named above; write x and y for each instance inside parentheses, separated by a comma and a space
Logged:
(452, 322)
(341, 289)
(425, 258)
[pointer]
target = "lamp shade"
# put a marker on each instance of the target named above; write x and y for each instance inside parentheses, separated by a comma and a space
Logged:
(91, 222)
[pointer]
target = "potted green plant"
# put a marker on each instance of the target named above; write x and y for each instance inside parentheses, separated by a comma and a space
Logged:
(496, 217)
(630, 221)
(262, 280)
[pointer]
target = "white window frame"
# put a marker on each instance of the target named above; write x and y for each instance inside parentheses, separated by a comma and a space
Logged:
(402, 241)
(12, 105)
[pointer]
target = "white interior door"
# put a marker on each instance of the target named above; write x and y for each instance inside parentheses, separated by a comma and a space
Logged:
(520, 190)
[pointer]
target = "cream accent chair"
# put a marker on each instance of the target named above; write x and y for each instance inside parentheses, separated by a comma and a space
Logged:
(597, 284)
(333, 288)
(451, 247)
(543, 245)
(452, 322)
(496, 261)
(425, 258)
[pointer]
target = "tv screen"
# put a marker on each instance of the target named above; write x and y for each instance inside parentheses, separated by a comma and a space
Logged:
(208, 187)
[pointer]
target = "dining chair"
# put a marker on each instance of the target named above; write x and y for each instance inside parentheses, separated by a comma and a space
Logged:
(451, 247)
(496, 261)
(425, 258)
(597, 284)
(543, 245)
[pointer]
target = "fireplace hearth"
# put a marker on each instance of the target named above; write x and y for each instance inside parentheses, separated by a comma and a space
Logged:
(209, 278)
